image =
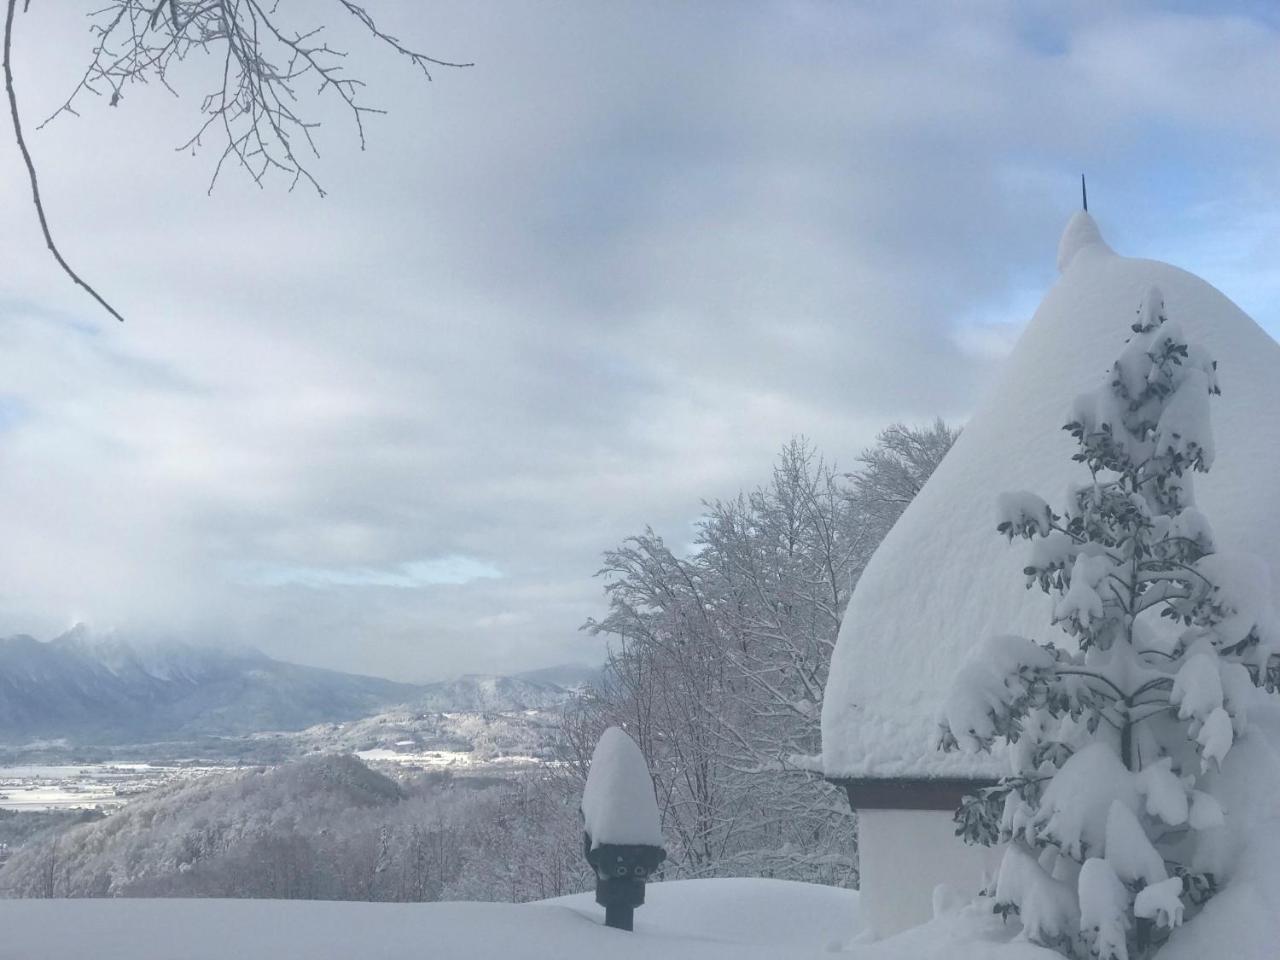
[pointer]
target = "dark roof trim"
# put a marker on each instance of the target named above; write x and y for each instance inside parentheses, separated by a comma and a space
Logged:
(908, 793)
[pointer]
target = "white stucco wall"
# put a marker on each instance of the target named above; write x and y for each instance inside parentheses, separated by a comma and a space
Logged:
(904, 855)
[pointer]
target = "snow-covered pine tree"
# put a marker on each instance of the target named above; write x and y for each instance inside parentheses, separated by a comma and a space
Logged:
(1111, 736)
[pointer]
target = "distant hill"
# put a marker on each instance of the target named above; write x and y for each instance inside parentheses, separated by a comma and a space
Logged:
(570, 676)
(108, 690)
(479, 693)
(104, 690)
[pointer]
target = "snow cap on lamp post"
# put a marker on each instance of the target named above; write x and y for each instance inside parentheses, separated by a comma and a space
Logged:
(622, 839)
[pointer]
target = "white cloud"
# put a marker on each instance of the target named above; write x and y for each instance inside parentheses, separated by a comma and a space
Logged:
(598, 277)
(415, 574)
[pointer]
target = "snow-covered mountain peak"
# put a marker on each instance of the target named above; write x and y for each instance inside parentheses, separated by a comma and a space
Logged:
(1081, 233)
(81, 637)
(112, 688)
(485, 693)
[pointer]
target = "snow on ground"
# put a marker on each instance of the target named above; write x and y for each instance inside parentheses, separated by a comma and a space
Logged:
(683, 920)
(446, 759)
(763, 912)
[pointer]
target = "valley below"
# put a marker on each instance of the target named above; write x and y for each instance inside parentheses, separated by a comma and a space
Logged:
(474, 745)
(77, 733)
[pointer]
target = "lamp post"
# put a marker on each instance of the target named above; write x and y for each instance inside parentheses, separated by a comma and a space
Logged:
(621, 837)
(622, 870)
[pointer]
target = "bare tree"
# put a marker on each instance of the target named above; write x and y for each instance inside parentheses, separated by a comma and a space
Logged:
(896, 468)
(524, 842)
(786, 557)
(718, 659)
(256, 110)
(664, 677)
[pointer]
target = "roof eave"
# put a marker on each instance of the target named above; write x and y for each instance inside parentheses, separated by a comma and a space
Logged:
(909, 793)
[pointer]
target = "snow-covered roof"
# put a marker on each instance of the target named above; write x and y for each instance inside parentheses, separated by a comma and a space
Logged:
(618, 803)
(944, 580)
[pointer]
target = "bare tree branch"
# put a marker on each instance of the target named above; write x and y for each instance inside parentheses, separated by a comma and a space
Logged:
(255, 108)
(16, 120)
(256, 103)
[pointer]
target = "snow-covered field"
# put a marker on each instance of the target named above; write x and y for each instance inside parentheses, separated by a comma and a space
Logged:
(683, 920)
(464, 760)
(85, 785)
(465, 743)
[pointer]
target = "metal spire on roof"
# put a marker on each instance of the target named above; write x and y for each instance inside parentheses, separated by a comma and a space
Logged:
(1084, 194)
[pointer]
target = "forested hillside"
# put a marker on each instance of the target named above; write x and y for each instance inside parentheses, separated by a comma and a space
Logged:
(325, 827)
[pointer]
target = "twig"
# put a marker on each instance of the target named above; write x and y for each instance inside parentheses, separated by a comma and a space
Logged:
(31, 168)
(255, 107)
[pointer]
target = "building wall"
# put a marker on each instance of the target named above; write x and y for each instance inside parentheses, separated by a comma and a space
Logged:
(903, 856)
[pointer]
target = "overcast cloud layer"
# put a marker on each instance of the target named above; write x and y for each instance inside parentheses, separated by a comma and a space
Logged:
(601, 275)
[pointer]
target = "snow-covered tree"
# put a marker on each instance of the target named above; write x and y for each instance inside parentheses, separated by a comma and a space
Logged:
(323, 827)
(523, 842)
(1108, 811)
(895, 469)
(719, 659)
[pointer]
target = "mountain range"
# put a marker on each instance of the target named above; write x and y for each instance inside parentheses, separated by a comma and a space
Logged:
(99, 690)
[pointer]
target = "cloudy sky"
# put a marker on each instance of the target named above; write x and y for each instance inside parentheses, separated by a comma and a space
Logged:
(603, 274)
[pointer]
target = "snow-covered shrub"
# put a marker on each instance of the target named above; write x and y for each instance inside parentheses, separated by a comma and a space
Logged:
(1108, 807)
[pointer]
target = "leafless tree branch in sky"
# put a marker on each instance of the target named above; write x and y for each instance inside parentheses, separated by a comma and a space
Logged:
(256, 109)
